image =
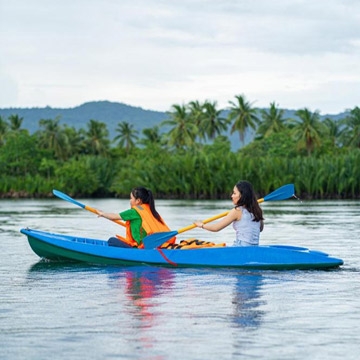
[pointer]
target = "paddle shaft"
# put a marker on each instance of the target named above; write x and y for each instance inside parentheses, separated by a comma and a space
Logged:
(65, 197)
(192, 226)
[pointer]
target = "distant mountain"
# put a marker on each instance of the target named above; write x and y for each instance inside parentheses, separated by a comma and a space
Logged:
(108, 112)
(111, 114)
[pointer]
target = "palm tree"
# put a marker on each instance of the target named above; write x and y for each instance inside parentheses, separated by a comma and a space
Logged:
(15, 122)
(352, 132)
(52, 137)
(184, 130)
(307, 129)
(96, 138)
(151, 136)
(272, 121)
(243, 115)
(127, 135)
(3, 130)
(75, 141)
(335, 129)
(196, 111)
(212, 122)
(197, 115)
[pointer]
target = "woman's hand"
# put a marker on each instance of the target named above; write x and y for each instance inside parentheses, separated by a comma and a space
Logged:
(100, 213)
(199, 224)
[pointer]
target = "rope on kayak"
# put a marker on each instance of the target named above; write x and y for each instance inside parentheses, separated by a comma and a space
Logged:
(166, 259)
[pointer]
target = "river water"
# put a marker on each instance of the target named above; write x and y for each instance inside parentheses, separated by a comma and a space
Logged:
(79, 311)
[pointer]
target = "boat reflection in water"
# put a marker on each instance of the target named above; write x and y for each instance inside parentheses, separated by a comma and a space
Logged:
(247, 300)
(142, 285)
(141, 306)
(151, 288)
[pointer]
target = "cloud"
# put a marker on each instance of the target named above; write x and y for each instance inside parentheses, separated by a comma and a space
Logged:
(157, 53)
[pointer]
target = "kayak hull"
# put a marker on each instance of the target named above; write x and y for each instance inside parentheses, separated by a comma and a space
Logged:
(61, 247)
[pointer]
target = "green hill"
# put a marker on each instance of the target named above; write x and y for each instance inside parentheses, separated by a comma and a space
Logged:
(108, 112)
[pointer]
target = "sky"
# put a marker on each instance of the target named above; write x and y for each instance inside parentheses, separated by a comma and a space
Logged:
(157, 53)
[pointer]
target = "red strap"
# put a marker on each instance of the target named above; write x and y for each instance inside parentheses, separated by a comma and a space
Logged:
(168, 260)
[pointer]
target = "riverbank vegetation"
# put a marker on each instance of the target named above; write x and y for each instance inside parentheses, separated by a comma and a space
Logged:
(186, 156)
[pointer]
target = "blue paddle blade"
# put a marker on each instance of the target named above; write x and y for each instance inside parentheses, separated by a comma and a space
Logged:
(154, 240)
(65, 197)
(282, 193)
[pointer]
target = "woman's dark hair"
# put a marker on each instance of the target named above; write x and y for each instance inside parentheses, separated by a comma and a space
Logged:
(248, 199)
(146, 197)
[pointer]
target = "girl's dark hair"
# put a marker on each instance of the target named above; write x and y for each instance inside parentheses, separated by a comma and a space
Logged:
(248, 199)
(146, 197)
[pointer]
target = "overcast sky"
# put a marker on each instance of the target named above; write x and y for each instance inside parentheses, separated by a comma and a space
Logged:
(156, 53)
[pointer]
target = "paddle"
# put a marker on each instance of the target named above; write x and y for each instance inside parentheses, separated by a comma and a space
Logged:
(65, 197)
(157, 239)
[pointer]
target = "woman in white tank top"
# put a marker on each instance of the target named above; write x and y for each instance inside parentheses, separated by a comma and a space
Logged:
(246, 216)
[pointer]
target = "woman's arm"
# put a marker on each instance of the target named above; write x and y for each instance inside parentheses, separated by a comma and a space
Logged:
(234, 214)
(110, 216)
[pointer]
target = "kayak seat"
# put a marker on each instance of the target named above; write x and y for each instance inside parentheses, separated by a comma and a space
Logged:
(113, 241)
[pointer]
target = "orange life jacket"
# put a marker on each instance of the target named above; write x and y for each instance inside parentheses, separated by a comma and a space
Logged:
(148, 223)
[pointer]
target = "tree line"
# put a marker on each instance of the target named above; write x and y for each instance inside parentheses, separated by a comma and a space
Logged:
(187, 155)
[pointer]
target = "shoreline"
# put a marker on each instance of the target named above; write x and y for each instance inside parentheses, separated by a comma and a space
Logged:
(16, 195)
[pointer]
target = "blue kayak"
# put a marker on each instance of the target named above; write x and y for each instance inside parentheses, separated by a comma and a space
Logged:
(273, 257)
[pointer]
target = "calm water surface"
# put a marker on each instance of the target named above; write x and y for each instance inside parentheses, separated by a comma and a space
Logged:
(77, 311)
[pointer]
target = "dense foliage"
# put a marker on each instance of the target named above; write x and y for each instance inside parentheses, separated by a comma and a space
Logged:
(192, 159)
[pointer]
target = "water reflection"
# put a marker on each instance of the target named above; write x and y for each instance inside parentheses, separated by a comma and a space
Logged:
(142, 285)
(47, 266)
(141, 289)
(247, 301)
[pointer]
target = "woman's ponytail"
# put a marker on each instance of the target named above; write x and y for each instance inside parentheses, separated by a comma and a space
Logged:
(146, 196)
